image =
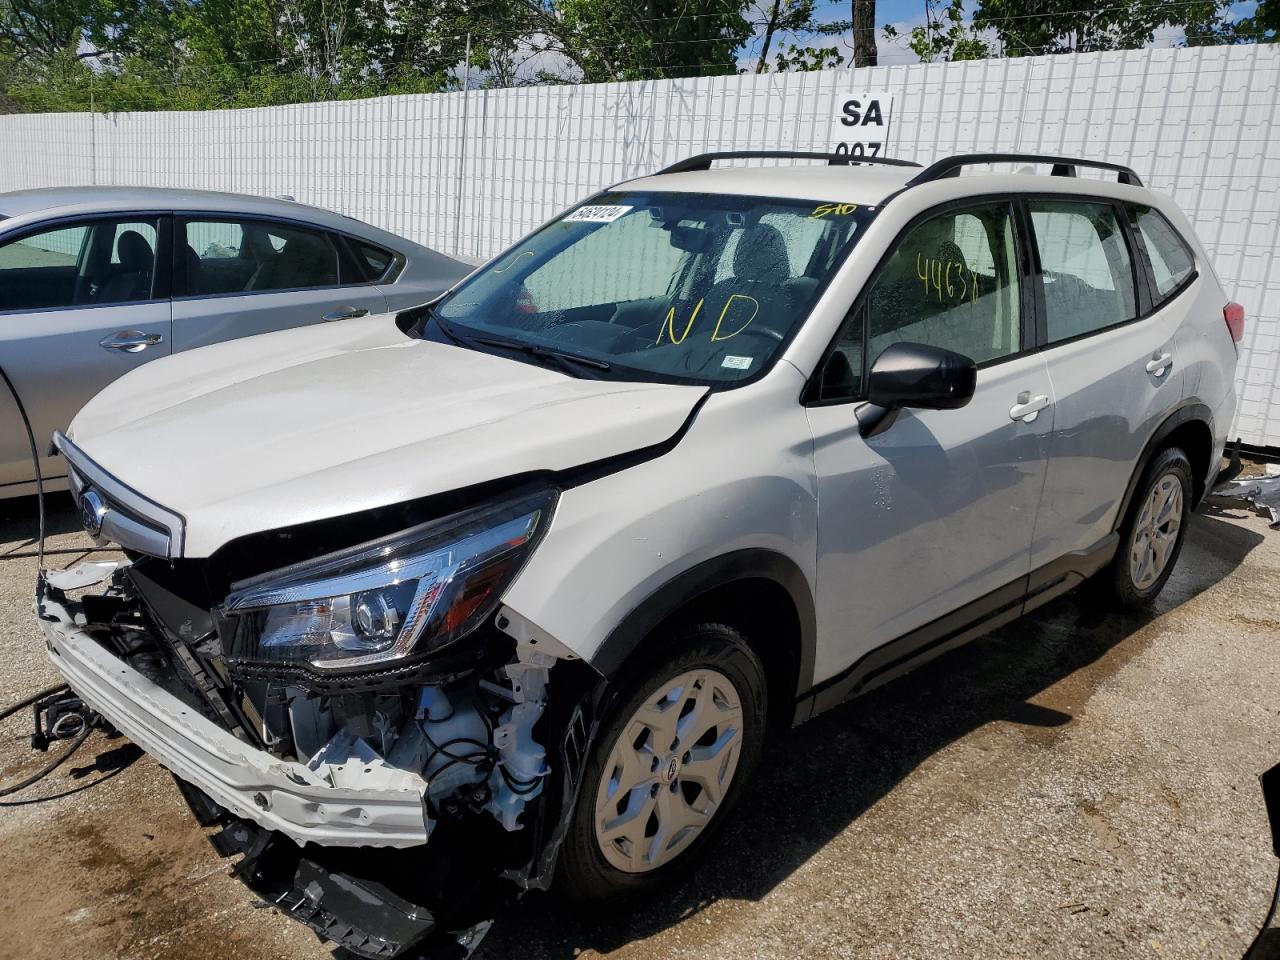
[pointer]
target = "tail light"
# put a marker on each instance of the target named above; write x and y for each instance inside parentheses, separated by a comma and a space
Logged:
(1233, 313)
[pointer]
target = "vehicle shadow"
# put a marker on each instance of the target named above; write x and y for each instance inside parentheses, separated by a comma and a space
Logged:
(20, 524)
(834, 768)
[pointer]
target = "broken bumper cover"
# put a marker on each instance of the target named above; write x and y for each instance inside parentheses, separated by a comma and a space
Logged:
(275, 794)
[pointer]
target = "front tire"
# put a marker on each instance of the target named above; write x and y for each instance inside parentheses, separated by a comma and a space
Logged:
(669, 764)
(1153, 531)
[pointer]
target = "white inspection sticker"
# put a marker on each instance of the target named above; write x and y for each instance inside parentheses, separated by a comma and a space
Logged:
(601, 213)
(736, 363)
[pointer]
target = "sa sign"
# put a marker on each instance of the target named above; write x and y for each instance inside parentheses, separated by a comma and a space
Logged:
(861, 127)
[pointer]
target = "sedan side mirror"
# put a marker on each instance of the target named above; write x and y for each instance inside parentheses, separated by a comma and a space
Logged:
(914, 375)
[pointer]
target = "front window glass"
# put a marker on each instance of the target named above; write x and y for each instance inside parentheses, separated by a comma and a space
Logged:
(951, 282)
(676, 287)
(85, 265)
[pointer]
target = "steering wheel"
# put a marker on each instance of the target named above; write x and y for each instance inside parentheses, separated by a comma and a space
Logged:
(767, 332)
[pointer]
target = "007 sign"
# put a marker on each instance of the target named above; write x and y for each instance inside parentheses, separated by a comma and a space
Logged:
(861, 127)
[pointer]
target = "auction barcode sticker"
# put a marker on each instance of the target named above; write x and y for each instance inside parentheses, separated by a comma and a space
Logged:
(604, 213)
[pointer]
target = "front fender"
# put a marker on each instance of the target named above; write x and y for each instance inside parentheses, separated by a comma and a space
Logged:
(736, 496)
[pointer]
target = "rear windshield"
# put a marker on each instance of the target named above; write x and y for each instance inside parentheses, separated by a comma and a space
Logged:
(688, 288)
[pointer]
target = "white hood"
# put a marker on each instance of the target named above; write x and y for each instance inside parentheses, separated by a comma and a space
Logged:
(321, 421)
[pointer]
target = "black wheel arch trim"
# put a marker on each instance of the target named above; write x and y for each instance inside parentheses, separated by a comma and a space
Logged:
(1189, 411)
(686, 587)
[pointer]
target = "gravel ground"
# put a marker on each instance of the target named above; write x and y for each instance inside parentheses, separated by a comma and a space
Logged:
(1075, 785)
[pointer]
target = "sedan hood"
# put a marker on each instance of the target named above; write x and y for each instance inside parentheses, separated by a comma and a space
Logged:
(316, 422)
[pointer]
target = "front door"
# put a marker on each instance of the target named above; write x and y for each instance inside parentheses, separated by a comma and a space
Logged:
(80, 305)
(939, 510)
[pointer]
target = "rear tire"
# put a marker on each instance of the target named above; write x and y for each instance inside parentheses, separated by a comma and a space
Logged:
(648, 809)
(1153, 531)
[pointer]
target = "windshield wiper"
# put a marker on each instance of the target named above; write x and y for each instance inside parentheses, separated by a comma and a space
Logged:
(561, 358)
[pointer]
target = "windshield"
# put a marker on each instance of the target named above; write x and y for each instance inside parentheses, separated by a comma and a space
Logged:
(676, 287)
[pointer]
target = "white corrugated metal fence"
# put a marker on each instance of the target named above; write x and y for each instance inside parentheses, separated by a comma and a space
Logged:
(471, 172)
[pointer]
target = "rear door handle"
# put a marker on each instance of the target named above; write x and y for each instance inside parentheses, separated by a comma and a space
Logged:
(1159, 363)
(1028, 407)
(130, 341)
(345, 313)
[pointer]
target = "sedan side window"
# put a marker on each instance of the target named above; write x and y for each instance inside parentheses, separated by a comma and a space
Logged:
(1088, 273)
(82, 265)
(253, 256)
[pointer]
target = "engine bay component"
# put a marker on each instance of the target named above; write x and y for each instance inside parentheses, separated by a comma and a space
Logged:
(389, 816)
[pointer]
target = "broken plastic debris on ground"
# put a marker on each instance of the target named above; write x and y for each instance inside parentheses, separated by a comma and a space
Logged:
(1261, 493)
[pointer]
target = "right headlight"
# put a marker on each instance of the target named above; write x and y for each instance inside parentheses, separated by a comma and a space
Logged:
(379, 603)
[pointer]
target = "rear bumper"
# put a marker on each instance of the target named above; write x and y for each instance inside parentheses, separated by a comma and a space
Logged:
(275, 794)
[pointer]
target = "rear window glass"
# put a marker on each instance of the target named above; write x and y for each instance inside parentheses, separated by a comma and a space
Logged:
(258, 256)
(374, 261)
(1088, 273)
(1171, 259)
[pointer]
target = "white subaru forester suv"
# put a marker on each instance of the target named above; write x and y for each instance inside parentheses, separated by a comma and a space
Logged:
(426, 610)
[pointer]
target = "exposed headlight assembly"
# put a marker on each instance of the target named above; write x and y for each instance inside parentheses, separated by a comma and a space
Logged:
(379, 603)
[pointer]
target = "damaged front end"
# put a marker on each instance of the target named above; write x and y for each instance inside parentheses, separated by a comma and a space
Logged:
(369, 730)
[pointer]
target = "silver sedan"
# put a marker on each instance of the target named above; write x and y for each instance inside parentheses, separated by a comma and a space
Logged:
(95, 281)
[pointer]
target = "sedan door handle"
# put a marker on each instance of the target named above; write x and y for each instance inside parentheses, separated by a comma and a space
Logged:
(130, 341)
(1159, 363)
(1028, 407)
(345, 313)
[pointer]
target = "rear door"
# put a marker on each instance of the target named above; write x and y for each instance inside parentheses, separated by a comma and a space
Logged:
(239, 276)
(1113, 361)
(82, 302)
(939, 510)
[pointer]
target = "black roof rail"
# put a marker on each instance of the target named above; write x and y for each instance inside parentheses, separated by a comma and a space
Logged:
(1062, 166)
(703, 161)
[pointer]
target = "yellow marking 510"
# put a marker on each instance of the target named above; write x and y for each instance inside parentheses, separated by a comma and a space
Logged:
(833, 210)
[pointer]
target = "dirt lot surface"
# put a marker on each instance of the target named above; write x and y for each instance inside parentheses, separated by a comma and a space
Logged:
(1075, 785)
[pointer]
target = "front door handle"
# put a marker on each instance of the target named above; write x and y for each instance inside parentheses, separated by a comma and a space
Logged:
(130, 341)
(1028, 407)
(1159, 363)
(345, 313)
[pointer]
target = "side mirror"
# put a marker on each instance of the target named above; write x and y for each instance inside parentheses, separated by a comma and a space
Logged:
(914, 375)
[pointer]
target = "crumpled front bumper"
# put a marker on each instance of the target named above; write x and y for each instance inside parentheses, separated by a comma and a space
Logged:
(252, 784)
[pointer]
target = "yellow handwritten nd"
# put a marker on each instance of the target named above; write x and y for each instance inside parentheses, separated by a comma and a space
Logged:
(755, 309)
(668, 328)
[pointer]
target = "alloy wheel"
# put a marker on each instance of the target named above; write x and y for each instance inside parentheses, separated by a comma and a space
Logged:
(668, 771)
(1156, 532)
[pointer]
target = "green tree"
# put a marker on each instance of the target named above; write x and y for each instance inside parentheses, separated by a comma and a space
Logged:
(1027, 27)
(864, 33)
(944, 35)
(606, 40)
(778, 18)
(1263, 26)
